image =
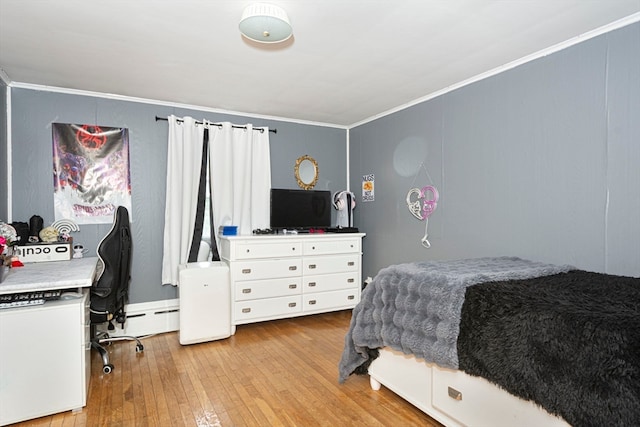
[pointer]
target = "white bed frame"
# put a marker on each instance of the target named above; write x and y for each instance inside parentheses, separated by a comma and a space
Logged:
(452, 397)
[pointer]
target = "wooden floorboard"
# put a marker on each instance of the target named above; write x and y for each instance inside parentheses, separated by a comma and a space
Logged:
(278, 373)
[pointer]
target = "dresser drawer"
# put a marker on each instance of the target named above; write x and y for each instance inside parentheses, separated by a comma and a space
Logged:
(331, 282)
(85, 319)
(263, 269)
(330, 264)
(322, 247)
(256, 289)
(266, 308)
(333, 300)
(475, 401)
(267, 249)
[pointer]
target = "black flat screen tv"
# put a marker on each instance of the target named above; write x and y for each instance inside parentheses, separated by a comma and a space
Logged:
(300, 209)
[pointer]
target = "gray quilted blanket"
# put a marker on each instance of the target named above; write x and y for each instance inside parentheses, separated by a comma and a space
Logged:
(415, 308)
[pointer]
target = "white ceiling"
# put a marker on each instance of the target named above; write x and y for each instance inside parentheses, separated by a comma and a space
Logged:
(349, 60)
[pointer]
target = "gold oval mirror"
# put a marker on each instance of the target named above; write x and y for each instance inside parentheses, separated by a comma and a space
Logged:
(306, 172)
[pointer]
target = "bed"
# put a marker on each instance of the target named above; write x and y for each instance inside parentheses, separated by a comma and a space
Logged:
(501, 341)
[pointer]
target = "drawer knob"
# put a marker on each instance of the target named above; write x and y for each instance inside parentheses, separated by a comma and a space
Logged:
(351, 297)
(351, 263)
(292, 304)
(293, 267)
(351, 280)
(312, 302)
(246, 291)
(293, 286)
(312, 266)
(454, 394)
(246, 310)
(312, 284)
(246, 270)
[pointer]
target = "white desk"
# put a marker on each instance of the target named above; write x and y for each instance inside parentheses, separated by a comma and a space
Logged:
(45, 349)
(76, 273)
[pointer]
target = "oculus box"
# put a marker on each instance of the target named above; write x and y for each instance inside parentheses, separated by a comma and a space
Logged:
(44, 252)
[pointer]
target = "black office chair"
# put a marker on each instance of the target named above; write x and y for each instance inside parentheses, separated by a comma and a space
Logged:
(109, 292)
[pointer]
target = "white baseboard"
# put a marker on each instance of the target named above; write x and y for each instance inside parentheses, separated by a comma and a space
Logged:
(148, 318)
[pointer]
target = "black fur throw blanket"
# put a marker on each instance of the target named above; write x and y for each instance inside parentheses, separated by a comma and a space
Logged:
(415, 308)
(569, 342)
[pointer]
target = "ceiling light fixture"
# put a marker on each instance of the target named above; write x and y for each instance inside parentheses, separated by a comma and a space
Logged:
(265, 23)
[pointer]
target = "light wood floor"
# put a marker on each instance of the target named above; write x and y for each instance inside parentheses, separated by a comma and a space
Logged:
(278, 373)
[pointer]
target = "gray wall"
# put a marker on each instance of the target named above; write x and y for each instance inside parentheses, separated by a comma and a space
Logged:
(4, 188)
(33, 111)
(541, 161)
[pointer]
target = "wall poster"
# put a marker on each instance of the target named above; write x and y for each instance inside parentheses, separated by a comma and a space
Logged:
(368, 191)
(91, 175)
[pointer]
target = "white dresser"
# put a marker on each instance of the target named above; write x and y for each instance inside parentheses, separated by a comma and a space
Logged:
(278, 276)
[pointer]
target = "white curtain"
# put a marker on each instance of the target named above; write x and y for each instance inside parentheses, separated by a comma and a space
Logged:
(184, 157)
(240, 163)
(240, 178)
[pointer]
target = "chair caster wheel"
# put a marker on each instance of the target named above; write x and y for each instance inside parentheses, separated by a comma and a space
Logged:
(139, 348)
(107, 369)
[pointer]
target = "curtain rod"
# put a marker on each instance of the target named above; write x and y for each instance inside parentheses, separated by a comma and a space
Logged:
(166, 119)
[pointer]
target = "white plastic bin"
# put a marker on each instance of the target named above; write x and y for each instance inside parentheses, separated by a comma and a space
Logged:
(205, 302)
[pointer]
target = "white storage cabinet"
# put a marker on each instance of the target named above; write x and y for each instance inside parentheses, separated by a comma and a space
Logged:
(279, 276)
(205, 308)
(45, 363)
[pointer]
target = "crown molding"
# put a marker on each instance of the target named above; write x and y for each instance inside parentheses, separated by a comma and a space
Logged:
(80, 92)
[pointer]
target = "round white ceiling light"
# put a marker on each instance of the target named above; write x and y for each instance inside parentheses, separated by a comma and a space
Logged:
(265, 23)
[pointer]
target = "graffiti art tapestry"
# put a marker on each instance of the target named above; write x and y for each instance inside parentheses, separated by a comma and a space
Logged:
(90, 172)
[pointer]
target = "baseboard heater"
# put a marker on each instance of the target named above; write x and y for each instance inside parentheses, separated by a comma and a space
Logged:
(155, 317)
